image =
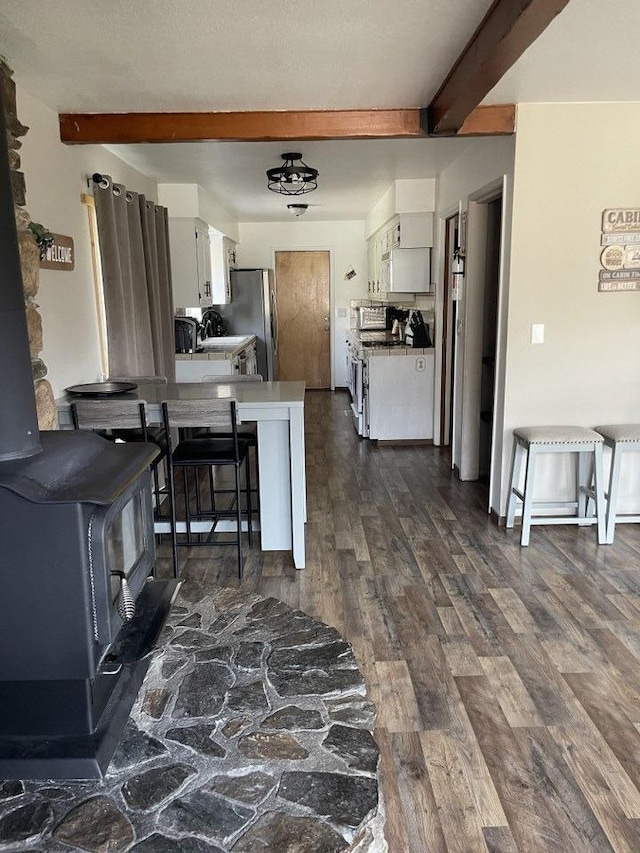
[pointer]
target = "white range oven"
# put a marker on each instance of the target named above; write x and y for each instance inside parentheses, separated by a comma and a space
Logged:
(357, 383)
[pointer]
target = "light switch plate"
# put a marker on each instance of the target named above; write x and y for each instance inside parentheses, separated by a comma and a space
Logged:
(342, 312)
(537, 333)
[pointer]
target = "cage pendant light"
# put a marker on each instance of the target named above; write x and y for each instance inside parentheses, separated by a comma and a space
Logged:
(291, 179)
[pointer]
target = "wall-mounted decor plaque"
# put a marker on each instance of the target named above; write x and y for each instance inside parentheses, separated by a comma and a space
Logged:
(620, 255)
(61, 255)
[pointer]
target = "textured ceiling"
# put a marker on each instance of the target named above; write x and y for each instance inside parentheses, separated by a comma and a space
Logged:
(146, 55)
(127, 55)
(588, 53)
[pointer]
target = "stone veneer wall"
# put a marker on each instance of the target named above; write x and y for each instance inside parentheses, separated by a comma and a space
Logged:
(29, 254)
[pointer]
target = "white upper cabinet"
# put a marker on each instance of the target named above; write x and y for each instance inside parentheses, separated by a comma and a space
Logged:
(190, 263)
(403, 231)
(223, 253)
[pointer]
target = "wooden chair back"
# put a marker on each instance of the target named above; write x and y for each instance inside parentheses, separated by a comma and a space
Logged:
(204, 413)
(109, 413)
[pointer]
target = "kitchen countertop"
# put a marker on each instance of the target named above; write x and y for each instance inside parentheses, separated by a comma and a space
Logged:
(357, 338)
(217, 349)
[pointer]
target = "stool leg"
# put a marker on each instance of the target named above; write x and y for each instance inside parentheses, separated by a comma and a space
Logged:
(516, 458)
(598, 483)
(196, 477)
(527, 505)
(612, 504)
(247, 475)
(187, 509)
(583, 478)
(239, 518)
(172, 509)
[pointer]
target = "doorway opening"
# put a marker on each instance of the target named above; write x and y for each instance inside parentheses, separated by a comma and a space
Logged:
(475, 390)
(304, 330)
(489, 337)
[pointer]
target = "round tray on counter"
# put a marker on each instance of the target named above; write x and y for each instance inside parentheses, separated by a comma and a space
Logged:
(100, 389)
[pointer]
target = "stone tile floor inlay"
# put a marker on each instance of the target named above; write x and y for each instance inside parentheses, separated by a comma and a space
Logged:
(252, 732)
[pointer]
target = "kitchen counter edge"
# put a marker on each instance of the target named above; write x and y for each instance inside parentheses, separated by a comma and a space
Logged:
(207, 354)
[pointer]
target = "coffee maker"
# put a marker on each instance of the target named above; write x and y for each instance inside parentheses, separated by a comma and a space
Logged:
(213, 325)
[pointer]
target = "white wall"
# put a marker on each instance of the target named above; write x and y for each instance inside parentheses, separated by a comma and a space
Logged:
(572, 162)
(403, 196)
(56, 175)
(181, 200)
(216, 215)
(346, 243)
(484, 164)
(186, 201)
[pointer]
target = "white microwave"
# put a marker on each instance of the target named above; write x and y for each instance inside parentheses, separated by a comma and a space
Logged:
(406, 271)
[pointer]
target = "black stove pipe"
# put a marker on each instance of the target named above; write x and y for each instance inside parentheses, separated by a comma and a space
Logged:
(19, 434)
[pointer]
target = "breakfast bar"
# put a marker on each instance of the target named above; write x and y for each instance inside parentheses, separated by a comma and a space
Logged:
(278, 410)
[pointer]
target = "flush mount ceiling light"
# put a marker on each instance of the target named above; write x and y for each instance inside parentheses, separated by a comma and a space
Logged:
(297, 209)
(291, 179)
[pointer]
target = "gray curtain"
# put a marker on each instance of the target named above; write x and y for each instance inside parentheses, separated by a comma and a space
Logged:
(136, 273)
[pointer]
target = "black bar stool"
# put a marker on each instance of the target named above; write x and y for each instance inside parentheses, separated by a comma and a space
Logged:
(207, 452)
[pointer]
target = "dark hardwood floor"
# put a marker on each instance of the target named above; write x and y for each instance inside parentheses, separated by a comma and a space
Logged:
(507, 679)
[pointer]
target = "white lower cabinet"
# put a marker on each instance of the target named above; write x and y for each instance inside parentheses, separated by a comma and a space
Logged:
(195, 368)
(400, 396)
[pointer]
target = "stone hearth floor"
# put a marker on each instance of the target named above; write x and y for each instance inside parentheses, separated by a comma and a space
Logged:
(251, 732)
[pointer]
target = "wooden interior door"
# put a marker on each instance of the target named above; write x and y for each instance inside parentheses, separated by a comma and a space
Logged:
(302, 287)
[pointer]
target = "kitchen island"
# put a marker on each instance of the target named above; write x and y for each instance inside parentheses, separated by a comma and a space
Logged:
(223, 356)
(278, 410)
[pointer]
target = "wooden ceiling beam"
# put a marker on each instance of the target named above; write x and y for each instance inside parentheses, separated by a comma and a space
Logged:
(131, 128)
(485, 120)
(124, 128)
(508, 29)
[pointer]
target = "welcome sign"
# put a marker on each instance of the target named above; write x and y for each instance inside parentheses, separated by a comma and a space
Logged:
(60, 255)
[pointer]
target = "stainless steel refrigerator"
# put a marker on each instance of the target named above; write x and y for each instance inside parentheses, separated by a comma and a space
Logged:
(253, 311)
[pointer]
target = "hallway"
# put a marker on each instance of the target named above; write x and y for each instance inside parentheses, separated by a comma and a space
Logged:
(507, 680)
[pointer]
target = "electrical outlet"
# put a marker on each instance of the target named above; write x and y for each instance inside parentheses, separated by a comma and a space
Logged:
(421, 364)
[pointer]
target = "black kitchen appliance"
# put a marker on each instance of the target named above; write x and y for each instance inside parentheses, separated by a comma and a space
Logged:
(392, 313)
(187, 334)
(417, 332)
(213, 326)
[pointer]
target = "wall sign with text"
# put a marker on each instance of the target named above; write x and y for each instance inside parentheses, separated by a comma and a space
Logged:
(61, 255)
(620, 255)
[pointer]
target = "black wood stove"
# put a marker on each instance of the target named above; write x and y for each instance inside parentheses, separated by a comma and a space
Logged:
(79, 613)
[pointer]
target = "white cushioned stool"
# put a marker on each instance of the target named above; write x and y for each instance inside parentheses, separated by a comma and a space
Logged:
(620, 438)
(587, 444)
